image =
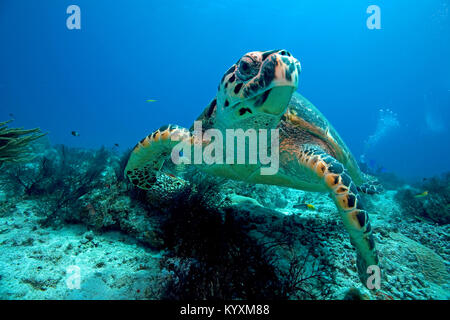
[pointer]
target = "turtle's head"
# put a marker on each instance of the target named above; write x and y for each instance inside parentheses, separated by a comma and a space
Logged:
(255, 92)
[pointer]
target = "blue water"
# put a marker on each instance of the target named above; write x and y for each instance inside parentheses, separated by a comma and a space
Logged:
(96, 80)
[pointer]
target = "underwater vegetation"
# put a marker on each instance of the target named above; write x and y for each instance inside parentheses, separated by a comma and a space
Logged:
(213, 255)
(59, 179)
(218, 239)
(212, 249)
(433, 204)
(14, 142)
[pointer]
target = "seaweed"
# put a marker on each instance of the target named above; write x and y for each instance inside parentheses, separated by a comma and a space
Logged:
(14, 143)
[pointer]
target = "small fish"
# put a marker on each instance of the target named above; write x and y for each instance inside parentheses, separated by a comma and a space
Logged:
(421, 195)
(305, 206)
(75, 133)
(116, 145)
(151, 100)
(11, 115)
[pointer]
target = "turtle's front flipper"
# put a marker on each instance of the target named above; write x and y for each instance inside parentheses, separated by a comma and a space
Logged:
(345, 195)
(149, 154)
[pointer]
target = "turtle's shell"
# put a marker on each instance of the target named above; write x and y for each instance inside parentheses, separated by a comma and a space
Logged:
(303, 117)
(302, 113)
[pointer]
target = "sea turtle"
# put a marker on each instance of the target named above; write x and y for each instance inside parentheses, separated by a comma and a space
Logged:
(258, 92)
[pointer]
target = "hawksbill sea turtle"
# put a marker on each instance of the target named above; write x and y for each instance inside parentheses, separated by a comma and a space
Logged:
(259, 92)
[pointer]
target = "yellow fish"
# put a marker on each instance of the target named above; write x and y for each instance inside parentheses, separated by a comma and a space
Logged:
(151, 100)
(421, 195)
(305, 206)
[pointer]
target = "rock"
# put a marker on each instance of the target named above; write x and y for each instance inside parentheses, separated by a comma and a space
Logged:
(89, 235)
(238, 199)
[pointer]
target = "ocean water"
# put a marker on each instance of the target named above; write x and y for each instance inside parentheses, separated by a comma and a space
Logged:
(96, 80)
(135, 66)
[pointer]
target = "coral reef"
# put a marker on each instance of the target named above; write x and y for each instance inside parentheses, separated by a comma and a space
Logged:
(197, 237)
(59, 181)
(435, 206)
(431, 265)
(210, 254)
(214, 252)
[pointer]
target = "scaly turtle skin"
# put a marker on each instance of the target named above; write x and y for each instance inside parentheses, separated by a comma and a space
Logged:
(258, 92)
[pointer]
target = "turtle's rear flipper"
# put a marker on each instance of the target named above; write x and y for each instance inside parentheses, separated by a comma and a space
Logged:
(371, 187)
(345, 195)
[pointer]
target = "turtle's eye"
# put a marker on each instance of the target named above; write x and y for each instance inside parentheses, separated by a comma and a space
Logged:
(248, 68)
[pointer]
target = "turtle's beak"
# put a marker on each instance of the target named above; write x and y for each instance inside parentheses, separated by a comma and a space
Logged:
(287, 70)
(273, 101)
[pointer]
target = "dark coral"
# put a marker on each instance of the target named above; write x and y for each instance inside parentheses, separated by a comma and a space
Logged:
(219, 251)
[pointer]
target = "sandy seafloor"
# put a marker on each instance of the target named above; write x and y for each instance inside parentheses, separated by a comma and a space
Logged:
(34, 260)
